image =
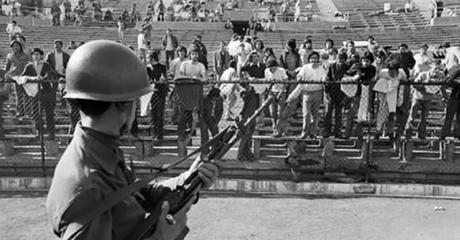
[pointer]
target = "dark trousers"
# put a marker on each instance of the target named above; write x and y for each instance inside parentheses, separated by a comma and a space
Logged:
(452, 109)
(244, 149)
(351, 114)
(169, 57)
(21, 98)
(185, 121)
(211, 125)
(56, 20)
(161, 17)
(158, 108)
(333, 106)
(45, 102)
(402, 112)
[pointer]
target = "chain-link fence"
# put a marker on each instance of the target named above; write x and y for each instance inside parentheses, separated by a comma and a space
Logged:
(334, 129)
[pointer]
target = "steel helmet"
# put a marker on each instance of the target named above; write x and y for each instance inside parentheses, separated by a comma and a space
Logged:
(107, 71)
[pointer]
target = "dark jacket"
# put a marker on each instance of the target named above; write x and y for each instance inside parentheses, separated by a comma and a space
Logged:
(221, 61)
(173, 39)
(47, 72)
(406, 60)
(50, 58)
(155, 71)
(335, 73)
(454, 74)
(366, 75)
(213, 109)
(251, 103)
(255, 71)
(290, 61)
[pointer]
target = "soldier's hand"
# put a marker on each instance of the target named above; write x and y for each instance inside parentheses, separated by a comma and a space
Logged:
(169, 226)
(207, 171)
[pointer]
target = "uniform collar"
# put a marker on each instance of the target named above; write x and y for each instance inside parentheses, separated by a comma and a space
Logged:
(103, 148)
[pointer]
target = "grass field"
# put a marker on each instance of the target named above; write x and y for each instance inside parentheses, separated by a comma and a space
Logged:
(225, 218)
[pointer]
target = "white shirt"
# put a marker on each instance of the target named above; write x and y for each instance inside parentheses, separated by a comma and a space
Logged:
(278, 75)
(141, 41)
(228, 75)
(59, 59)
(308, 73)
(12, 30)
(190, 69)
(174, 66)
(233, 47)
(452, 57)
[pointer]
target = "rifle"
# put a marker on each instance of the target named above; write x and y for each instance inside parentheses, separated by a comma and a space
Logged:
(178, 198)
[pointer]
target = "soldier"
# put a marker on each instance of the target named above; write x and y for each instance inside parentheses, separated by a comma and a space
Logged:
(104, 79)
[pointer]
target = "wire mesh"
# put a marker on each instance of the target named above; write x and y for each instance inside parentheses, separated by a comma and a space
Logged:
(329, 130)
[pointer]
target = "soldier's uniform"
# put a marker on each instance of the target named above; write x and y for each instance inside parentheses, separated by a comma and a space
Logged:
(92, 167)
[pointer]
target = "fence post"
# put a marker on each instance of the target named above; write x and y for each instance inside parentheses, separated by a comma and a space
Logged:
(40, 131)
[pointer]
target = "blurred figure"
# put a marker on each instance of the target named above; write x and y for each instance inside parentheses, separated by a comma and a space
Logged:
(422, 98)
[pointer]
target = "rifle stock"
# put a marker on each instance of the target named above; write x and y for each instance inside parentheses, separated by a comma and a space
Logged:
(179, 198)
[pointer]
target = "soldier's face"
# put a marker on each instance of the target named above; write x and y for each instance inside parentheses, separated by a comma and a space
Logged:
(129, 112)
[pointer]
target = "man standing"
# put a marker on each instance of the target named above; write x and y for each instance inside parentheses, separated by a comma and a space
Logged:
(15, 63)
(452, 58)
(157, 74)
(422, 99)
(169, 45)
(161, 11)
(58, 60)
(221, 59)
(422, 60)
(203, 52)
(104, 80)
(142, 45)
(275, 73)
(56, 14)
(13, 29)
(190, 96)
(67, 9)
(453, 105)
(335, 97)
(406, 60)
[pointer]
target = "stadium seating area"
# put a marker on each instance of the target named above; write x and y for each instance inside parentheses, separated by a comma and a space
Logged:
(429, 156)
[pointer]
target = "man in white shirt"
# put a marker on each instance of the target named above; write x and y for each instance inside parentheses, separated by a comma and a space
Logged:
(234, 45)
(13, 29)
(275, 73)
(174, 66)
(190, 96)
(142, 45)
(452, 56)
(228, 90)
(58, 60)
(422, 60)
(193, 68)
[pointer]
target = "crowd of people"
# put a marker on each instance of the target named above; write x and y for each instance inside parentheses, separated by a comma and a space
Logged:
(375, 86)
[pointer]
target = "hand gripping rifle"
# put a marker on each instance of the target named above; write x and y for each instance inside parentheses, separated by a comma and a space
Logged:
(220, 145)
